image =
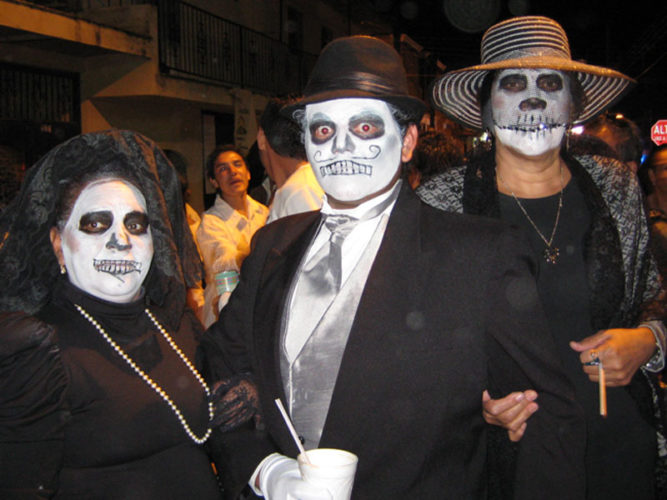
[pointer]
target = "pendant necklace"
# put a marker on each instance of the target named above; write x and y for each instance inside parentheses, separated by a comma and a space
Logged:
(150, 381)
(551, 252)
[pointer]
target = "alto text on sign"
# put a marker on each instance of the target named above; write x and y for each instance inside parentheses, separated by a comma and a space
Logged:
(659, 132)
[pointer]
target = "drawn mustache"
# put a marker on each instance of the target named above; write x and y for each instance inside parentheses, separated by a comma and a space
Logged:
(374, 150)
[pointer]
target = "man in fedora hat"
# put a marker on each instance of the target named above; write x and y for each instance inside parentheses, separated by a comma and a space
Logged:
(584, 218)
(382, 344)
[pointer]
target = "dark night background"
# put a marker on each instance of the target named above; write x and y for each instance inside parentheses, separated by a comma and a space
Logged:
(629, 36)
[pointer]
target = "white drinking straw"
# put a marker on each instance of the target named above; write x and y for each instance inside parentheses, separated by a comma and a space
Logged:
(292, 430)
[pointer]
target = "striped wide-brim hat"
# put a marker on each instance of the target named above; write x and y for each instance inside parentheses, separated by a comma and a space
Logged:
(525, 42)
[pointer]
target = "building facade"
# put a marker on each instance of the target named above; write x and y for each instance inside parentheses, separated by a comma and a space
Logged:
(188, 75)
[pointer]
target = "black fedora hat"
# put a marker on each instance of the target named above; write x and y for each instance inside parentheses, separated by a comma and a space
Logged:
(359, 66)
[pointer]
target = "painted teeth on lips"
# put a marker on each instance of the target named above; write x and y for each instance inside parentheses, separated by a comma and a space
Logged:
(539, 127)
(117, 266)
(346, 167)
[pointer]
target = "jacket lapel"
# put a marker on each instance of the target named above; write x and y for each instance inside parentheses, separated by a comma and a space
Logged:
(277, 274)
(392, 290)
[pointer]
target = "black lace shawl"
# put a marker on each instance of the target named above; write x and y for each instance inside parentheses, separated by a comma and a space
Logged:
(28, 265)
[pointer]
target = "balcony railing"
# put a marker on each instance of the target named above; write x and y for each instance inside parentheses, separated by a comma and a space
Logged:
(38, 95)
(196, 43)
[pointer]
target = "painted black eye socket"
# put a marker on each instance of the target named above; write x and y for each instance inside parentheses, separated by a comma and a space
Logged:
(513, 83)
(99, 222)
(321, 131)
(550, 83)
(95, 222)
(367, 127)
(136, 223)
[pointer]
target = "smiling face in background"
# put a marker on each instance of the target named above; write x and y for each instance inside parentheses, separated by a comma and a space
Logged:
(106, 243)
(231, 176)
(658, 170)
(354, 147)
(531, 109)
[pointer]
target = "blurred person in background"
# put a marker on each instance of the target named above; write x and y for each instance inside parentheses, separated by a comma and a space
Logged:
(587, 144)
(226, 228)
(284, 157)
(261, 186)
(195, 296)
(180, 164)
(656, 170)
(622, 134)
(435, 152)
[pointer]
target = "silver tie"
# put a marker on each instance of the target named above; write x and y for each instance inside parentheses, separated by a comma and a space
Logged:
(330, 266)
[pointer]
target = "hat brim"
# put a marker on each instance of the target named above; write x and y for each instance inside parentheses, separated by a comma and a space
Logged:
(412, 107)
(456, 92)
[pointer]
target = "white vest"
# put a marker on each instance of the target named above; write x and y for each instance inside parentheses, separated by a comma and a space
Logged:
(310, 379)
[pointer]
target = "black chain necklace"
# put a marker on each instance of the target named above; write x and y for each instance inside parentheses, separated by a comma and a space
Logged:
(551, 252)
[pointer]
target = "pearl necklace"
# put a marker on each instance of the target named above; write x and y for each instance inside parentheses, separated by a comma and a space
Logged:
(150, 381)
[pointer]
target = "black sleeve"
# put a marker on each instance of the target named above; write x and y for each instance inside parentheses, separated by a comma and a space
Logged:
(225, 350)
(32, 407)
(522, 355)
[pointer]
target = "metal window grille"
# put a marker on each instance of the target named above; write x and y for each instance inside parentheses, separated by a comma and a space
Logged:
(39, 96)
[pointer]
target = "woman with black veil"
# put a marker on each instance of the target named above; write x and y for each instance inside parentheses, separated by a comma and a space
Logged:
(100, 395)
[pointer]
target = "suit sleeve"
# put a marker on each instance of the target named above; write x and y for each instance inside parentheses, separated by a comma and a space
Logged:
(522, 355)
(225, 350)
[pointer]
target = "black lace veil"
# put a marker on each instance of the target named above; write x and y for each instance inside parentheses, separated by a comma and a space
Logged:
(28, 266)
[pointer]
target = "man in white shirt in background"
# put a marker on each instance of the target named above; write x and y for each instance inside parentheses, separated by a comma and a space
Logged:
(226, 228)
(284, 158)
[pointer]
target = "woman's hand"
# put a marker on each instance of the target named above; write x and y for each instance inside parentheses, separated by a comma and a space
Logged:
(622, 352)
(236, 401)
(511, 412)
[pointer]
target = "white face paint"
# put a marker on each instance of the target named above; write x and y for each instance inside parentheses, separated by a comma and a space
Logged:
(531, 109)
(107, 243)
(354, 147)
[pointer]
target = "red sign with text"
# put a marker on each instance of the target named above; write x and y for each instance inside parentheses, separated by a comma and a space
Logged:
(659, 132)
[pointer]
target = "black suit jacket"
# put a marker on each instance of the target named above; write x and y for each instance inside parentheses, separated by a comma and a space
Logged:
(450, 308)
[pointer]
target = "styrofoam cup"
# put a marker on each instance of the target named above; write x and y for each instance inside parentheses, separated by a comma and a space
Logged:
(330, 468)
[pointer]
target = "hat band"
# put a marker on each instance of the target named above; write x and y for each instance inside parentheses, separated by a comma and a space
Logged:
(539, 51)
(354, 81)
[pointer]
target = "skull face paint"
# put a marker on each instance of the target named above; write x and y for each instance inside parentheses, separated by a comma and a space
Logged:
(531, 109)
(354, 147)
(107, 243)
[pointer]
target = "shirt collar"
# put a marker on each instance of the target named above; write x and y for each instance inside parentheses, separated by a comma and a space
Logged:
(361, 209)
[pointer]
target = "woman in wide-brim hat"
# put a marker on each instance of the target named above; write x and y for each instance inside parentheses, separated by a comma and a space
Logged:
(583, 216)
(526, 42)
